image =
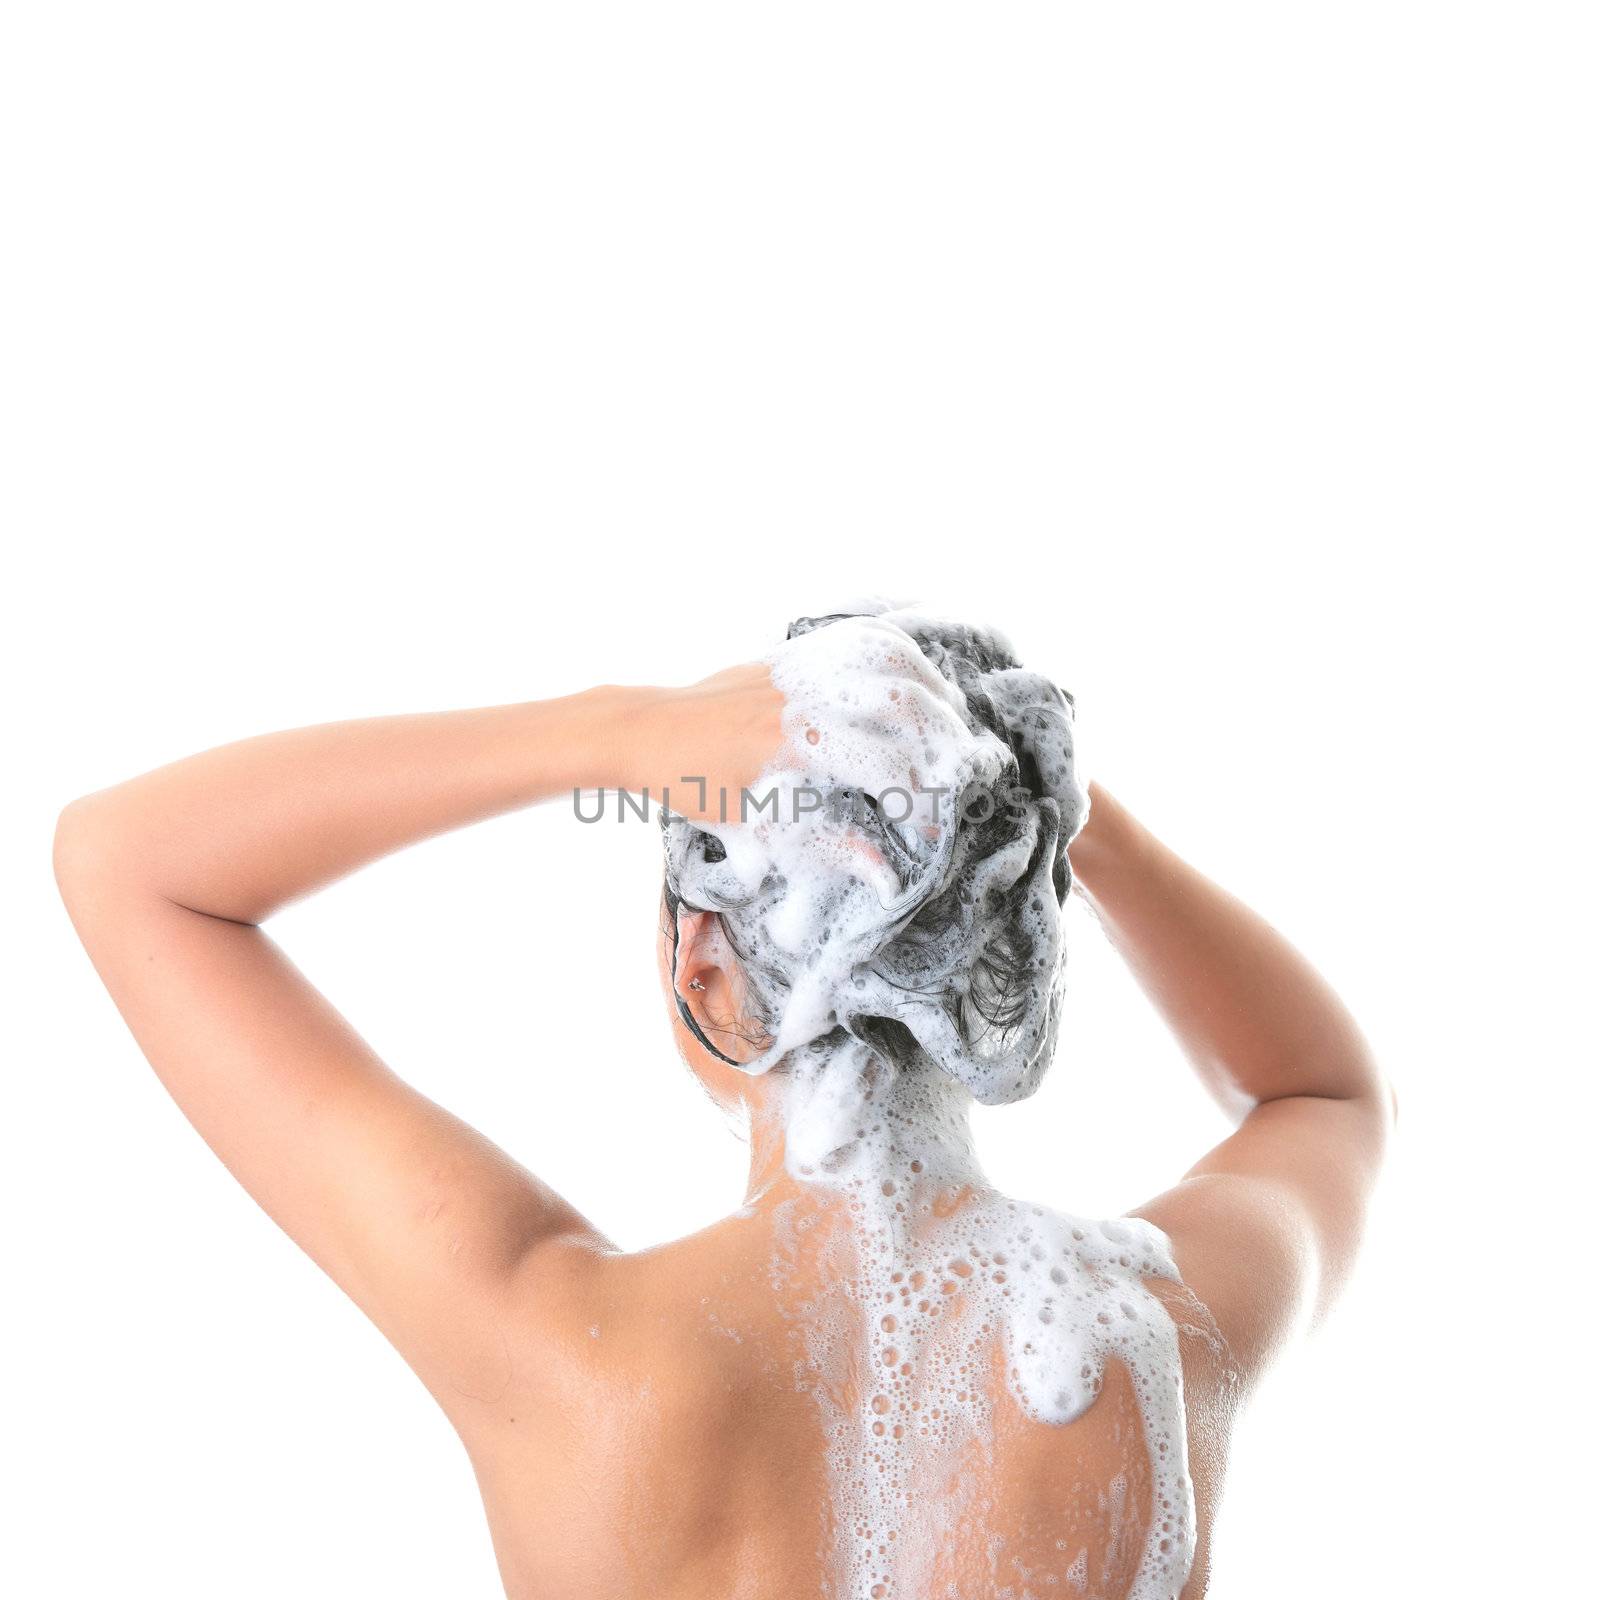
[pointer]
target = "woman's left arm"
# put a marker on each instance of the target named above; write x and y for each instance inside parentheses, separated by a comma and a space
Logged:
(421, 1220)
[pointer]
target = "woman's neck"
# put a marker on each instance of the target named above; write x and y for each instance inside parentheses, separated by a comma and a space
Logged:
(842, 1120)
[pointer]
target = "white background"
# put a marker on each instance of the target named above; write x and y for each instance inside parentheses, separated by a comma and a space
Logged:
(1239, 360)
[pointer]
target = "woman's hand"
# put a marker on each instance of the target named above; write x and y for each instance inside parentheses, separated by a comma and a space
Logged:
(704, 743)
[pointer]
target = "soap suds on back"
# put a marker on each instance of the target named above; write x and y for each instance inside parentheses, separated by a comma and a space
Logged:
(898, 918)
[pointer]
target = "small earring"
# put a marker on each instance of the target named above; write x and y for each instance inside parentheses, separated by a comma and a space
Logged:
(695, 983)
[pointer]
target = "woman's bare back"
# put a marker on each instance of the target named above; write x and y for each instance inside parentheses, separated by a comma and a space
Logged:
(660, 1433)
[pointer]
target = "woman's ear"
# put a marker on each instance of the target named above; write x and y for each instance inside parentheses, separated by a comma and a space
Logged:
(709, 984)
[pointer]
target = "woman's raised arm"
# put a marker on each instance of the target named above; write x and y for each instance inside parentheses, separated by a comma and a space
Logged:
(1267, 1223)
(167, 877)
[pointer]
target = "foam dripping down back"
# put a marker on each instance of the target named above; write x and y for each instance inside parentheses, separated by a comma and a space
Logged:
(898, 914)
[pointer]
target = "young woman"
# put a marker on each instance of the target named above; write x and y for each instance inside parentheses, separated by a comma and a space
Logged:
(877, 1377)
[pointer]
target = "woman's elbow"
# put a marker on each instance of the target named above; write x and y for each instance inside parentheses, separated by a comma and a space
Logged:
(86, 853)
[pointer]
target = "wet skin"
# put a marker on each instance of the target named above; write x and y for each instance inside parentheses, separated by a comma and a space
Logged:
(653, 1434)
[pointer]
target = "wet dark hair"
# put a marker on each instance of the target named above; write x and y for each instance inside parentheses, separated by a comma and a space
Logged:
(967, 979)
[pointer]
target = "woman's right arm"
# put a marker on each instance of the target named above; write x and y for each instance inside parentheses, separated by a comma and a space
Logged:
(1267, 1224)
